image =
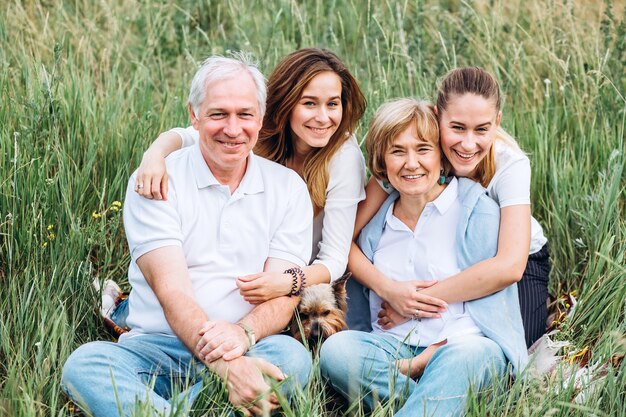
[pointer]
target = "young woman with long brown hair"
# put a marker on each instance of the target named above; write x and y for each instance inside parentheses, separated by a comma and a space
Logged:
(313, 107)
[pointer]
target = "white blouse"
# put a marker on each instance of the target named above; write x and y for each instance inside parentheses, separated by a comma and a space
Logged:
(428, 252)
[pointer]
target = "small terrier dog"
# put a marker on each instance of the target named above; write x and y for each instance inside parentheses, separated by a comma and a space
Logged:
(321, 312)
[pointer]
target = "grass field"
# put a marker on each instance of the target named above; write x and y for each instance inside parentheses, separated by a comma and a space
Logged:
(86, 85)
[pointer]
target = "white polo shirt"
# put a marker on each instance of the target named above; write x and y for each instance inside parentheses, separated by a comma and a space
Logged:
(426, 253)
(223, 236)
(333, 226)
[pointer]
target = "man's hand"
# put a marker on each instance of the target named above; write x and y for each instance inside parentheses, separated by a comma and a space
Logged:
(245, 379)
(221, 340)
(264, 286)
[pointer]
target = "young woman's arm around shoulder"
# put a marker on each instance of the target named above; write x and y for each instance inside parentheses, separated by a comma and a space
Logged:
(493, 274)
(479, 280)
(152, 179)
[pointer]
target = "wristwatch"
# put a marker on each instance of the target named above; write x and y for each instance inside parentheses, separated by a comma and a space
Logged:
(249, 333)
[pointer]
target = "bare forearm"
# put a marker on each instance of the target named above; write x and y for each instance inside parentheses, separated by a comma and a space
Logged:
(316, 274)
(166, 273)
(477, 281)
(165, 144)
(493, 274)
(365, 272)
(272, 316)
(185, 318)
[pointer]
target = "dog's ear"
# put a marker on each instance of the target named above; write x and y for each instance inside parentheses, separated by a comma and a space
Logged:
(296, 326)
(339, 290)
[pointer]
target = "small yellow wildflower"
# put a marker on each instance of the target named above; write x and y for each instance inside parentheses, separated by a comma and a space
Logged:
(52, 236)
(44, 244)
(578, 356)
(115, 206)
(95, 215)
(50, 227)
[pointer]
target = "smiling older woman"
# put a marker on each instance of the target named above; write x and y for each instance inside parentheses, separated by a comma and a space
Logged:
(428, 228)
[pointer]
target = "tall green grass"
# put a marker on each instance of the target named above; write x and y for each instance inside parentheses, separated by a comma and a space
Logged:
(85, 86)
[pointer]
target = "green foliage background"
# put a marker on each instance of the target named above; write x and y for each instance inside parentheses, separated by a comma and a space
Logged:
(85, 86)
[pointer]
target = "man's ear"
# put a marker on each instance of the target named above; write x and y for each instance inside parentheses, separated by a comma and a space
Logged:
(192, 116)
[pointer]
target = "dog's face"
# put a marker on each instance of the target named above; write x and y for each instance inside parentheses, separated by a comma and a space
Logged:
(321, 312)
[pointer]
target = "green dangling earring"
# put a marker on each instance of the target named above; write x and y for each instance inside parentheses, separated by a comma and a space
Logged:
(442, 178)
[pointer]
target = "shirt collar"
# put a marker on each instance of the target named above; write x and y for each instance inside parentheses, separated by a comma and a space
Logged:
(447, 197)
(204, 176)
(442, 203)
(251, 183)
(392, 221)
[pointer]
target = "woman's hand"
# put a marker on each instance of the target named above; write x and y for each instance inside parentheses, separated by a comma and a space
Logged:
(405, 298)
(261, 287)
(389, 318)
(151, 179)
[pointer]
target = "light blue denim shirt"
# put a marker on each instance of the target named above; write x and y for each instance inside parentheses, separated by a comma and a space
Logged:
(497, 315)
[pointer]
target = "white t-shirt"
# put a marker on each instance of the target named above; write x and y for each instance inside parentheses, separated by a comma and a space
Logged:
(428, 252)
(333, 226)
(509, 186)
(223, 236)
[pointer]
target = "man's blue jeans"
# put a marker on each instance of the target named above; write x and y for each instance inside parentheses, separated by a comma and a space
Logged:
(109, 379)
(361, 365)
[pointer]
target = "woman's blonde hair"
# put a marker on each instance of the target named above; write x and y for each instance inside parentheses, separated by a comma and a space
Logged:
(477, 81)
(393, 118)
(285, 87)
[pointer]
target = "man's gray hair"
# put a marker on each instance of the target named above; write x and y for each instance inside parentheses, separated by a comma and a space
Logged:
(216, 68)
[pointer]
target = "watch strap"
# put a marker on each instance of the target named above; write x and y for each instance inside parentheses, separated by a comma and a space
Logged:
(249, 333)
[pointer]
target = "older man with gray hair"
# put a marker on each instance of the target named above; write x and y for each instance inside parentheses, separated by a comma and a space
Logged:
(228, 214)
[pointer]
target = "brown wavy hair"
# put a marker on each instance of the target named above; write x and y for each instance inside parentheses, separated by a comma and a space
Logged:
(285, 87)
(475, 80)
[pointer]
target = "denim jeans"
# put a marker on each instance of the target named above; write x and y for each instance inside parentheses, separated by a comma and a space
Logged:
(120, 314)
(361, 365)
(110, 379)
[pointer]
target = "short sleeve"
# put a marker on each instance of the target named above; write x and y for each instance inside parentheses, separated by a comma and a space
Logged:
(346, 188)
(150, 224)
(511, 184)
(292, 239)
(189, 135)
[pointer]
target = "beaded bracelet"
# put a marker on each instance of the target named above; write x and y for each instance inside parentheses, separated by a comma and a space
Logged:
(296, 273)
